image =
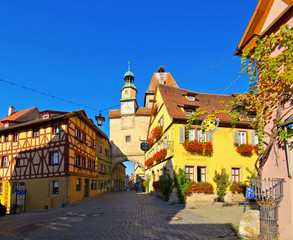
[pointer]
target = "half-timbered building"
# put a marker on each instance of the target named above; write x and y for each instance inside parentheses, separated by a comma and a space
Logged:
(48, 158)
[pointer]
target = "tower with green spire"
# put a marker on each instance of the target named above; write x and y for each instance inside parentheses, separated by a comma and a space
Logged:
(129, 94)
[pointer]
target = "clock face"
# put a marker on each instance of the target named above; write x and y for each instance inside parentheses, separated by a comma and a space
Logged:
(127, 107)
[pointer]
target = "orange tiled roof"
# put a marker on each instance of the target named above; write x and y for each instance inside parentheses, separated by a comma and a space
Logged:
(17, 115)
(162, 78)
(143, 111)
(174, 98)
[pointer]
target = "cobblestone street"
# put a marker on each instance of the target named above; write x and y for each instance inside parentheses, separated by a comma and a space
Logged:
(124, 215)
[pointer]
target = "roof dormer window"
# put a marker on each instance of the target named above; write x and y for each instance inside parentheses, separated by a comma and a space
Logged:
(188, 112)
(46, 116)
(191, 98)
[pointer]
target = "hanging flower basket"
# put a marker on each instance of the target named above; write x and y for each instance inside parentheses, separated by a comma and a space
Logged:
(149, 162)
(198, 147)
(157, 132)
(160, 155)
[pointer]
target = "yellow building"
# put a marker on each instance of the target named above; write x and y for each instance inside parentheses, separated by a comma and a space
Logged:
(48, 158)
(104, 165)
(167, 130)
(119, 178)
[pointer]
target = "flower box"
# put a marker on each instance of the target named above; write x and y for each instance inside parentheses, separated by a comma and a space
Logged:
(195, 146)
(160, 155)
(201, 198)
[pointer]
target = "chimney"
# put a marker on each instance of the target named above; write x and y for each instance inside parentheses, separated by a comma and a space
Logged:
(11, 110)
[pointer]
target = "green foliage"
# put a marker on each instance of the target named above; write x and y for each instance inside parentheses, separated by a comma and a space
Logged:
(181, 183)
(146, 184)
(271, 80)
(222, 181)
(253, 175)
(283, 133)
(166, 187)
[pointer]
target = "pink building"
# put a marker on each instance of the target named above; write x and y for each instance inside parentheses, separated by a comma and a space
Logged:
(267, 18)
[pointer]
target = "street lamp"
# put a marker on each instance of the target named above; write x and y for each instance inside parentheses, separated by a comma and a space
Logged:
(100, 119)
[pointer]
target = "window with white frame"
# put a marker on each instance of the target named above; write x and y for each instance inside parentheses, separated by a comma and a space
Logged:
(57, 128)
(201, 174)
(15, 137)
(89, 163)
(54, 158)
(191, 98)
(4, 161)
(188, 112)
(200, 136)
(92, 143)
(36, 132)
(240, 137)
(235, 174)
(191, 134)
(189, 172)
(83, 161)
(77, 132)
(55, 187)
(83, 137)
(78, 184)
(77, 160)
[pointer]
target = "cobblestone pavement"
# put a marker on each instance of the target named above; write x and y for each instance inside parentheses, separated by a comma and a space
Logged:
(123, 215)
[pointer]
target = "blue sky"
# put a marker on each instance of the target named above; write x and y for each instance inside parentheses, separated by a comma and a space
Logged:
(78, 50)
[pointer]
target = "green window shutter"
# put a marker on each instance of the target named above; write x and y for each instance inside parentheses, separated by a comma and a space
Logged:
(181, 134)
(236, 137)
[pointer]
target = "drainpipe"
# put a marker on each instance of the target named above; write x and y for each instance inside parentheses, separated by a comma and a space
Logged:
(288, 157)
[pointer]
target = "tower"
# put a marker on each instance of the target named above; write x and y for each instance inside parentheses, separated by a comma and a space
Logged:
(129, 94)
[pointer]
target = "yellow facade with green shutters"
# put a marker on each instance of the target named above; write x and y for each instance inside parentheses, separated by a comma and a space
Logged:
(202, 168)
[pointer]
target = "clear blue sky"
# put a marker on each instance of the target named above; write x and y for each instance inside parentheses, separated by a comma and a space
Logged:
(78, 50)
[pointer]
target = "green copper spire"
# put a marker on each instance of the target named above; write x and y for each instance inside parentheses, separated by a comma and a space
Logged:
(129, 78)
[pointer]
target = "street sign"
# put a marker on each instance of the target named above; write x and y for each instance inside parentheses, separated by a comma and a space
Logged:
(21, 184)
(250, 193)
(145, 146)
(20, 197)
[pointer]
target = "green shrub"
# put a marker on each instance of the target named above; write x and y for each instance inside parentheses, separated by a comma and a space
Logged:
(222, 181)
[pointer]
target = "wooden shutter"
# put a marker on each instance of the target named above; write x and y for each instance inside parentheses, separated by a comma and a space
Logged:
(210, 137)
(252, 138)
(236, 137)
(181, 134)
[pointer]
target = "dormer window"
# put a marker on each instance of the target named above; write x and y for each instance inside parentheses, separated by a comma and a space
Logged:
(189, 112)
(46, 116)
(6, 125)
(191, 98)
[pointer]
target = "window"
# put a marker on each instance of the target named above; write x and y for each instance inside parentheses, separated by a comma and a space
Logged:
(0, 188)
(100, 149)
(54, 158)
(55, 187)
(15, 137)
(4, 162)
(77, 160)
(127, 139)
(15, 186)
(6, 137)
(77, 133)
(93, 165)
(92, 185)
(83, 161)
(201, 174)
(107, 152)
(189, 173)
(235, 175)
(200, 136)
(240, 137)
(95, 184)
(46, 116)
(191, 98)
(92, 143)
(83, 138)
(6, 125)
(191, 134)
(89, 163)
(57, 128)
(161, 121)
(17, 162)
(78, 184)
(189, 112)
(36, 132)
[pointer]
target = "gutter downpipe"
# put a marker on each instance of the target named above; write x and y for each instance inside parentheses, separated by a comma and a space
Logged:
(288, 158)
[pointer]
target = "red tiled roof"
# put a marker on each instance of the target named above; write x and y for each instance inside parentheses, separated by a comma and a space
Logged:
(174, 98)
(161, 78)
(17, 115)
